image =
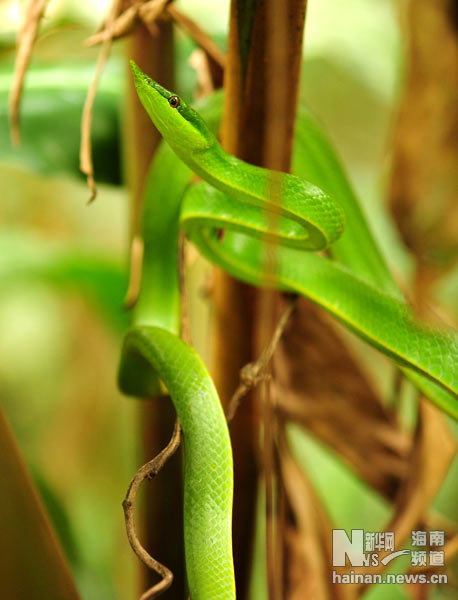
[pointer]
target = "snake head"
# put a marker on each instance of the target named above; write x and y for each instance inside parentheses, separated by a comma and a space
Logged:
(177, 122)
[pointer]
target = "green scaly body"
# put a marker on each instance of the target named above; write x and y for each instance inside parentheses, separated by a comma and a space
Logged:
(254, 205)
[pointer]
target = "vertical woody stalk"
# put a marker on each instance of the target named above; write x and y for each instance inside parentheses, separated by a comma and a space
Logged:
(162, 516)
(261, 88)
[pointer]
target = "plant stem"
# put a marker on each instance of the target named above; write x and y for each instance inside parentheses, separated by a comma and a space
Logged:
(261, 86)
(161, 530)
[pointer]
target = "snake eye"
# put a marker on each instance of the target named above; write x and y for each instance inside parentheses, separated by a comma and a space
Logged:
(174, 102)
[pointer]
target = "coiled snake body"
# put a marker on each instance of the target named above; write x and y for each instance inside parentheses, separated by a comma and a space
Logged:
(237, 197)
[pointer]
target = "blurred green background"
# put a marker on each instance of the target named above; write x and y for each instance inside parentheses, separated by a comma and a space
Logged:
(63, 263)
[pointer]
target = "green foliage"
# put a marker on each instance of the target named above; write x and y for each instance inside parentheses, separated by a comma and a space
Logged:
(51, 108)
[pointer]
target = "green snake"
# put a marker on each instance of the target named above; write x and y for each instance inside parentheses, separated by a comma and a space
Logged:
(254, 206)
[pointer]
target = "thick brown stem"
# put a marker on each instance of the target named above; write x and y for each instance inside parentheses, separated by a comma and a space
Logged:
(261, 85)
(155, 55)
(162, 510)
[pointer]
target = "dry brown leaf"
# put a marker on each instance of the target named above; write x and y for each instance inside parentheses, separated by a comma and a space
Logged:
(307, 537)
(433, 451)
(430, 459)
(322, 387)
(27, 37)
(450, 550)
(424, 186)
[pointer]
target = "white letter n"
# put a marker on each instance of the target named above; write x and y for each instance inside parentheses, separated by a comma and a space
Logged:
(342, 546)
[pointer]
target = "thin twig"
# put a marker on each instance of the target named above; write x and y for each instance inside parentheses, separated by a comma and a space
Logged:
(152, 468)
(282, 507)
(270, 484)
(201, 38)
(27, 37)
(148, 471)
(86, 164)
(252, 373)
(121, 26)
(149, 13)
(153, 10)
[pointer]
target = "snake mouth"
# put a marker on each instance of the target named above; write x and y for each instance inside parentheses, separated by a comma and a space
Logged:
(140, 78)
(151, 95)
